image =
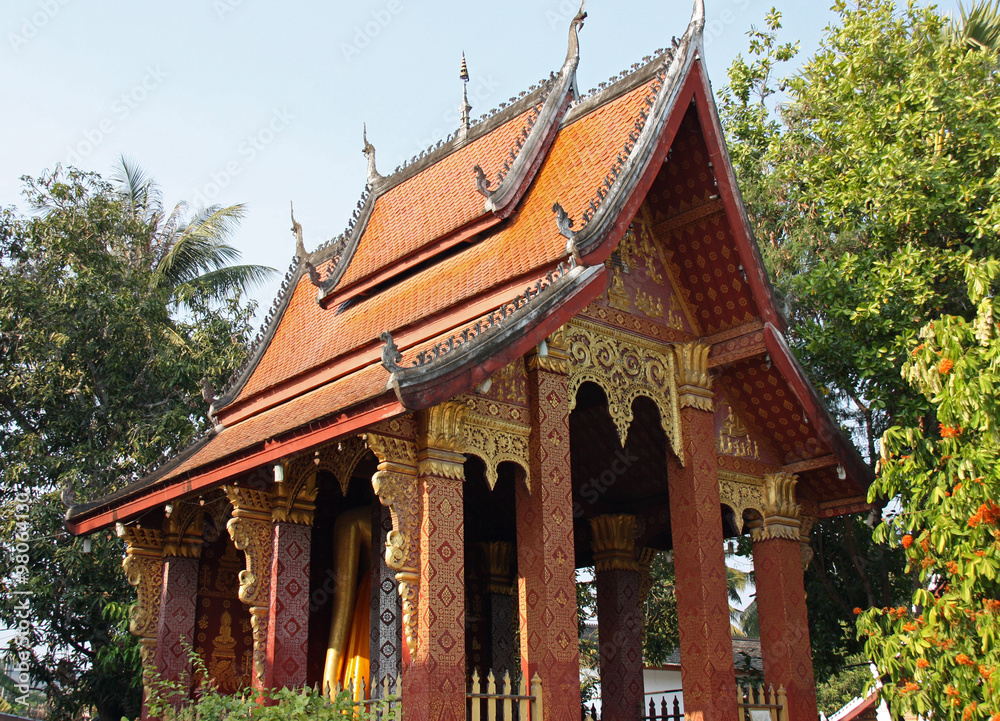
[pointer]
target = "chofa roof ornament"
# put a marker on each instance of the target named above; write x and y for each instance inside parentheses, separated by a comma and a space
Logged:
(300, 250)
(535, 144)
(369, 152)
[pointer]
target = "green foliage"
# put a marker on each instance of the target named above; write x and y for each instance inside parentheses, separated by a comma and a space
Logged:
(866, 186)
(660, 630)
(98, 380)
(299, 704)
(940, 650)
(838, 689)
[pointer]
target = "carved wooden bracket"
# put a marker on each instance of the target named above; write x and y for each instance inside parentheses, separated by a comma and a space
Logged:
(395, 484)
(183, 530)
(143, 566)
(250, 529)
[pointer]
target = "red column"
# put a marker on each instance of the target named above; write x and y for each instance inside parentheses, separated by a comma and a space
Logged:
(437, 690)
(781, 599)
(619, 617)
(545, 561)
(175, 629)
(707, 672)
(288, 624)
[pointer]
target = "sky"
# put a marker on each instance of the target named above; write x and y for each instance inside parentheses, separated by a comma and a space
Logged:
(262, 103)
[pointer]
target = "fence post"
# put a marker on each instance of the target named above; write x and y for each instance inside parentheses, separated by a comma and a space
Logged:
(474, 702)
(783, 702)
(536, 691)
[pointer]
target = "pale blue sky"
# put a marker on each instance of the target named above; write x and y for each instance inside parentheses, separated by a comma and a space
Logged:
(262, 102)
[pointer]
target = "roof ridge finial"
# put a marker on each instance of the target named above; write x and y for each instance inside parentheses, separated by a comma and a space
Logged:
(573, 53)
(463, 129)
(369, 152)
(698, 14)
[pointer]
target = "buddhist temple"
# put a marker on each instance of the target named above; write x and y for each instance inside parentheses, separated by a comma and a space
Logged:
(548, 343)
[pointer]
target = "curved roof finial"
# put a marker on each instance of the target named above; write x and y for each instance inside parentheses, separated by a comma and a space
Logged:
(698, 14)
(369, 152)
(463, 128)
(573, 53)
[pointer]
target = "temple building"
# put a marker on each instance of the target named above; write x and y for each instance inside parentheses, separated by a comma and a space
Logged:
(547, 343)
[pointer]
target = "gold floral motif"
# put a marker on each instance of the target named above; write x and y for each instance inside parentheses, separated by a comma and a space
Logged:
(782, 515)
(551, 357)
(250, 529)
(741, 492)
(495, 441)
(613, 542)
(510, 384)
(625, 367)
(694, 383)
(395, 484)
(143, 565)
(734, 438)
(441, 440)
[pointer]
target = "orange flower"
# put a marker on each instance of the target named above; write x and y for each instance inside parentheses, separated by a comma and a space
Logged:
(964, 660)
(923, 663)
(951, 690)
(949, 432)
(992, 605)
(909, 627)
(958, 487)
(910, 686)
(918, 348)
(857, 611)
(952, 567)
(985, 671)
(925, 544)
(907, 541)
(988, 513)
(945, 366)
(980, 553)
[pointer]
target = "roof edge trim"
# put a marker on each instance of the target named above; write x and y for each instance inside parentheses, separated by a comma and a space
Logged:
(475, 353)
(502, 200)
(602, 216)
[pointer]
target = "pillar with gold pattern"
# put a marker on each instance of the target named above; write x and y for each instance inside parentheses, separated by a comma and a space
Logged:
(619, 617)
(545, 562)
(175, 628)
(143, 566)
(292, 508)
(707, 672)
(439, 694)
(781, 597)
(250, 529)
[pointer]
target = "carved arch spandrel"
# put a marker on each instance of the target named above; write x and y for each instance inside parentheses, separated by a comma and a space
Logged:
(741, 492)
(496, 434)
(395, 484)
(625, 367)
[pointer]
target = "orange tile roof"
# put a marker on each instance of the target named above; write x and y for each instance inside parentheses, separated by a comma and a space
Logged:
(581, 156)
(431, 203)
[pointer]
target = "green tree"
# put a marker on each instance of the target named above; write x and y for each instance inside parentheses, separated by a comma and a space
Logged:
(189, 255)
(98, 381)
(939, 649)
(886, 141)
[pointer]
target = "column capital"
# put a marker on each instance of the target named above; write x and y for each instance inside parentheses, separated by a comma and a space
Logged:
(614, 542)
(441, 440)
(499, 557)
(694, 383)
(781, 514)
(551, 354)
(250, 528)
(183, 530)
(294, 499)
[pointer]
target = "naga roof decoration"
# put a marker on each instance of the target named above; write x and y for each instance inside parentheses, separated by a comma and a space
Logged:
(432, 290)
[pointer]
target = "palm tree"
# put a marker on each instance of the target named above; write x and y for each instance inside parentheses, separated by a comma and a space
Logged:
(978, 27)
(189, 255)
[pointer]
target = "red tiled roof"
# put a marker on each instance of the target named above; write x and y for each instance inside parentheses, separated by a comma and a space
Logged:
(431, 203)
(309, 336)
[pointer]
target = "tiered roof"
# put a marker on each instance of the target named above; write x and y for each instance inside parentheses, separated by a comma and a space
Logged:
(465, 259)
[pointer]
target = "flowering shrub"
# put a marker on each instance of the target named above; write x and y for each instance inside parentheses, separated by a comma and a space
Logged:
(942, 654)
